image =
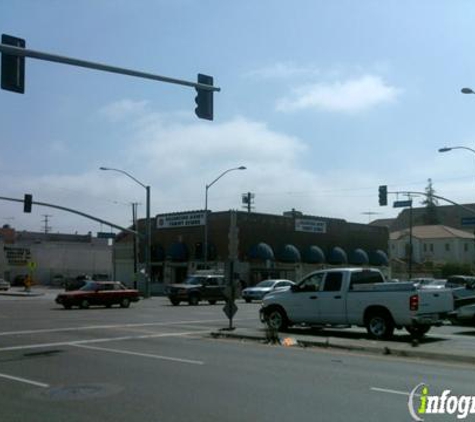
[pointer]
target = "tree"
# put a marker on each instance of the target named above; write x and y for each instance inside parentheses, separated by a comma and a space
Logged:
(431, 215)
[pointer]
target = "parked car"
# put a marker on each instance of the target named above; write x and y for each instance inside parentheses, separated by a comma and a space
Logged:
(355, 296)
(105, 293)
(261, 289)
(76, 283)
(4, 285)
(197, 287)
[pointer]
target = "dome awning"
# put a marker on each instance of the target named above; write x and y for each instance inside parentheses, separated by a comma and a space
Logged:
(379, 258)
(314, 255)
(337, 256)
(157, 253)
(177, 252)
(289, 253)
(359, 257)
(261, 251)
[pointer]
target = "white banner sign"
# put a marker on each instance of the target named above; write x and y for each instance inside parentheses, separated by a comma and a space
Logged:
(188, 219)
(310, 226)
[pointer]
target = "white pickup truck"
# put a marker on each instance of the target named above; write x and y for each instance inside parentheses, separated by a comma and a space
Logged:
(355, 296)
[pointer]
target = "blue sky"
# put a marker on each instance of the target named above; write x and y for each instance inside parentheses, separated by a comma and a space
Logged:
(321, 101)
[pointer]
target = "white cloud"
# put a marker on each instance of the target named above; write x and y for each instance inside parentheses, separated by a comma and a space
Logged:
(350, 96)
(123, 108)
(283, 70)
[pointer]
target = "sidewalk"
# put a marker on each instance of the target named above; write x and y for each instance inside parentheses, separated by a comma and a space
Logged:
(453, 348)
(35, 291)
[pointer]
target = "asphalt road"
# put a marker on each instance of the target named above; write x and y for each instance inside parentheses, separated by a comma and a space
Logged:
(156, 362)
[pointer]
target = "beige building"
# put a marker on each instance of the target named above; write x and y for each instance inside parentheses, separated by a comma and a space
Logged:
(437, 244)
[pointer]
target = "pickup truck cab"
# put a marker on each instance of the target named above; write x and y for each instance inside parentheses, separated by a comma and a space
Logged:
(355, 296)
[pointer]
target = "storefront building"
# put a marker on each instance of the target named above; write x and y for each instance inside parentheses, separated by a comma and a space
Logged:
(261, 246)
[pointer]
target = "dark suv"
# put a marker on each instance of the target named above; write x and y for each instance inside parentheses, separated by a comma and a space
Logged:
(197, 288)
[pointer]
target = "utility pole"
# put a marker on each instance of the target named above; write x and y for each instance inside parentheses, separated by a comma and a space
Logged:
(248, 201)
(46, 227)
(135, 249)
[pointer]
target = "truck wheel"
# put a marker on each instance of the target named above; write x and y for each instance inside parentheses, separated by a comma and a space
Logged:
(194, 300)
(175, 302)
(248, 300)
(277, 320)
(418, 331)
(212, 302)
(84, 304)
(380, 325)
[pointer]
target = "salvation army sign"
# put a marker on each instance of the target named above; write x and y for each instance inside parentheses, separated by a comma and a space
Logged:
(180, 219)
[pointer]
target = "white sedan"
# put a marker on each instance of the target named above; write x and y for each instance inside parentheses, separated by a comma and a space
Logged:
(4, 285)
(261, 289)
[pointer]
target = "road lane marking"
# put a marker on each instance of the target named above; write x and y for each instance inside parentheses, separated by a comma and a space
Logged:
(104, 327)
(389, 391)
(98, 340)
(24, 380)
(145, 355)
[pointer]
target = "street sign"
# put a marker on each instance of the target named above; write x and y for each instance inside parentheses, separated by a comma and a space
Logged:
(468, 221)
(230, 309)
(105, 235)
(402, 204)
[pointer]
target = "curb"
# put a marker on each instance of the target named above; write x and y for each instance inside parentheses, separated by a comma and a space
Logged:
(333, 343)
(21, 294)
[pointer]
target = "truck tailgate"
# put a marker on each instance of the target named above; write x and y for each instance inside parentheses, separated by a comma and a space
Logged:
(435, 301)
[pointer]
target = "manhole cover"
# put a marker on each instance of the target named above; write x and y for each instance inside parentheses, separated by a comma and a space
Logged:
(77, 392)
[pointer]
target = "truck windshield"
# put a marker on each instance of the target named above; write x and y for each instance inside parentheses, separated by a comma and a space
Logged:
(193, 281)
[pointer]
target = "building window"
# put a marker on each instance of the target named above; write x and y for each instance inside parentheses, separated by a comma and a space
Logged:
(431, 247)
(425, 247)
(465, 247)
(447, 247)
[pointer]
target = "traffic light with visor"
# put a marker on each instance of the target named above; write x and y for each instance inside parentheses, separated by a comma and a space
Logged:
(27, 202)
(383, 195)
(204, 98)
(13, 67)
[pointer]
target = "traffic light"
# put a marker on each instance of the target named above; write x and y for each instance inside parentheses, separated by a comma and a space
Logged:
(13, 67)
(204, 98)
(383, 195)
(27, 202)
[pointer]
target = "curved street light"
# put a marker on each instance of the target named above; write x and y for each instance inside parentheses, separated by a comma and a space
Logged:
(206, 209)
(446, 149)
(148, 229)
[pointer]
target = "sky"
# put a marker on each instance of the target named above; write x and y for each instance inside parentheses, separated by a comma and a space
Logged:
(321, 101)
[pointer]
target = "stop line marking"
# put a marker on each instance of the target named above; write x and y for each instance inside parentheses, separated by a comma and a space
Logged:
(24, 380)
(144, 355)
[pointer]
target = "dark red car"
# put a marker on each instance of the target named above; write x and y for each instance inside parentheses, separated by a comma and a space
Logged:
(105, 293)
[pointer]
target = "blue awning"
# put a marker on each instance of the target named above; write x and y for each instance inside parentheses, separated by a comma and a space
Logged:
(289, 253)
(359, 257)
(378, 258)
(261, 251)
(177, 252)
(157, 253)
(337, 256)
(314, 255)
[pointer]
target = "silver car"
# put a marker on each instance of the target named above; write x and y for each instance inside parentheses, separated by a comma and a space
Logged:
(4, 285)
(261, 289)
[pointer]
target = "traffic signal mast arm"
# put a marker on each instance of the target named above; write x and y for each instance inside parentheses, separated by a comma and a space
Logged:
(472, 211)
(23, 52)
(82, 214)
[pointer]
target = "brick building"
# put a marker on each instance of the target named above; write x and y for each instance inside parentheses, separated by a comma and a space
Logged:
(265, 245)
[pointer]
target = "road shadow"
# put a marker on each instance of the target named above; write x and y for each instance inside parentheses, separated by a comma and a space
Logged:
(399, 336)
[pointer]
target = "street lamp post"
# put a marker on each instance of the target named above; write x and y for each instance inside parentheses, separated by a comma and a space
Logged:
(206, 209)
(148, 229)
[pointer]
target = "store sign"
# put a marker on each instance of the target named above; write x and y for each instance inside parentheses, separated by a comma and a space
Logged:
(182, 219)
(310, 226)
